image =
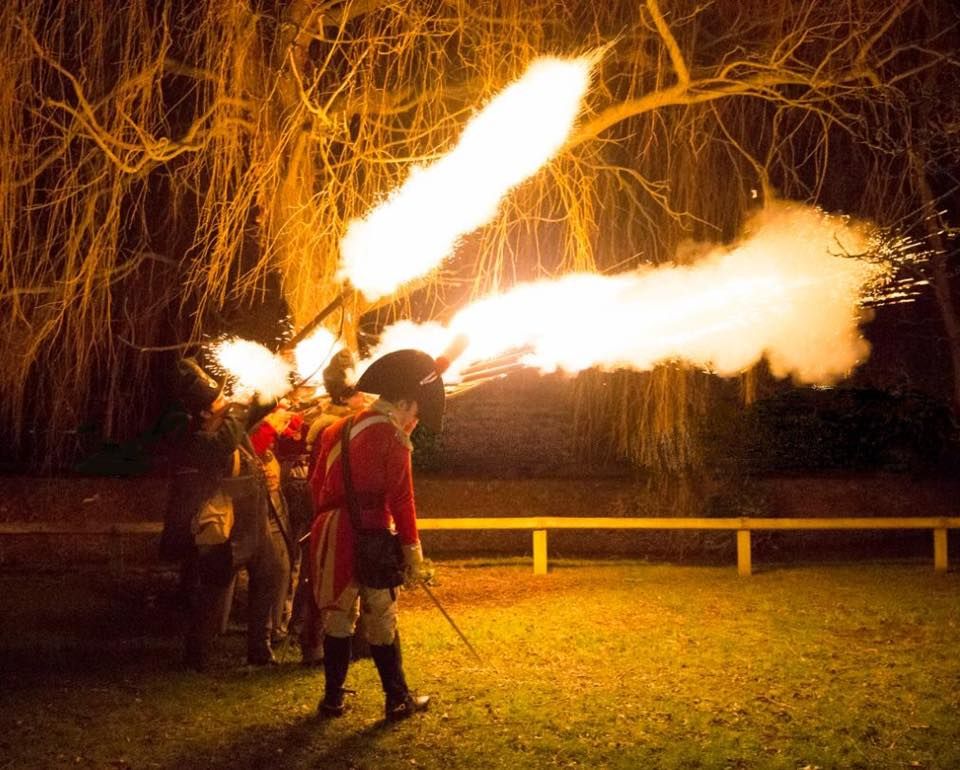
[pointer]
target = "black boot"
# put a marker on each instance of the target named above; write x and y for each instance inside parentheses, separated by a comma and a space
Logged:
(336, 661)
(400, 703)
(263, 657)
(259, 649)
(260, 653)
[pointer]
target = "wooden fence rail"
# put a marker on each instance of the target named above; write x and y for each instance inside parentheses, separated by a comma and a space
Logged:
(539, 526)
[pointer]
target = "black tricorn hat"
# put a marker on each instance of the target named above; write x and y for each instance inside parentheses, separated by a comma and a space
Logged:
(195, 386)
(409, 374)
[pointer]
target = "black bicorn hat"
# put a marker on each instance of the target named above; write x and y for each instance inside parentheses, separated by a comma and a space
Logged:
(195, 386)
(410, 374)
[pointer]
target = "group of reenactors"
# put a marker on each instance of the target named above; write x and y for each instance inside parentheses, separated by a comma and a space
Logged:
(313, 499)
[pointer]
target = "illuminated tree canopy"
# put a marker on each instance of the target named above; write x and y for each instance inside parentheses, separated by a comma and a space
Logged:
(168, 163)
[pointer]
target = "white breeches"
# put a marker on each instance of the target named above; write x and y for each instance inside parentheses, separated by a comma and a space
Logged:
(379, 607)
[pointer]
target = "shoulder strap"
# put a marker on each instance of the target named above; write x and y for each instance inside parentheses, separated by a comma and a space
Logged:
(246, 448)
(348, 476)
(355, 430)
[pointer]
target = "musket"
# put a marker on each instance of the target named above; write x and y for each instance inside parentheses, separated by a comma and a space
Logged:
(318, 319)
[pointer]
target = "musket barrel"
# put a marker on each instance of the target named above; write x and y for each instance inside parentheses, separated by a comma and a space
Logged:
(318, 319)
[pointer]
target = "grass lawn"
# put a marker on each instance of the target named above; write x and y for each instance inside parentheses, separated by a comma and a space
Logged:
(598, 665)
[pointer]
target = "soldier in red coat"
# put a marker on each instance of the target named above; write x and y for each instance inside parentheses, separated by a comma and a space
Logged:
(362, 550)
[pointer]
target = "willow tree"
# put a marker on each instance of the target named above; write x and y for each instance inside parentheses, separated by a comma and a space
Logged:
(165, 163)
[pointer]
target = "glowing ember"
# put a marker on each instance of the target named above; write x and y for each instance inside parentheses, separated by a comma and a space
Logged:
(790, 291)
(419, 224)
(314, 353)
(253, 369)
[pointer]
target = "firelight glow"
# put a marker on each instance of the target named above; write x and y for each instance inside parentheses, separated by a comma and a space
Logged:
(253, 368)
(413, 230)
(314, 353)
(791, 290)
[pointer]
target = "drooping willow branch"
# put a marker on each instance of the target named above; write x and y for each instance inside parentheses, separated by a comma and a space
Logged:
(237, 140)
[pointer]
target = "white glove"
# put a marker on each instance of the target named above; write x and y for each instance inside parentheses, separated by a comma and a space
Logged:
(416, 569)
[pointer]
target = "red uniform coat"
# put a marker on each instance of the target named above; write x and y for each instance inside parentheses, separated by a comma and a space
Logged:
(383, 484)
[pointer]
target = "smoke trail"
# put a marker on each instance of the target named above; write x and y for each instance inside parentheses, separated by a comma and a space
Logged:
(789, 290)
(418, 225)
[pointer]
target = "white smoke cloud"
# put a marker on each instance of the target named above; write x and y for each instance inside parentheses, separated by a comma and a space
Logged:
(789, 290)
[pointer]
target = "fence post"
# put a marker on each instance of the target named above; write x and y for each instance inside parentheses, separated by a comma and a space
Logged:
(940, 549)
(539, 552)
(744, 566)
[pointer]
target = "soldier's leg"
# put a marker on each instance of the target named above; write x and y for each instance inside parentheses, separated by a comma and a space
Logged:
(300, 506)
(289, 615)
(187, 582)
(310, 632)
(338, 627)
(281, 586)
(380, 614)
(223, 613)
(305, 619)
(267, 572)
(214, 578)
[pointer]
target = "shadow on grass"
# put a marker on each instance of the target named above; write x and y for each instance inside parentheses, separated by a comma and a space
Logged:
(310, 742)
(36, 661)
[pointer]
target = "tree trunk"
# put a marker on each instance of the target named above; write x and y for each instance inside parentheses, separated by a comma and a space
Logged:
(940, 274)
